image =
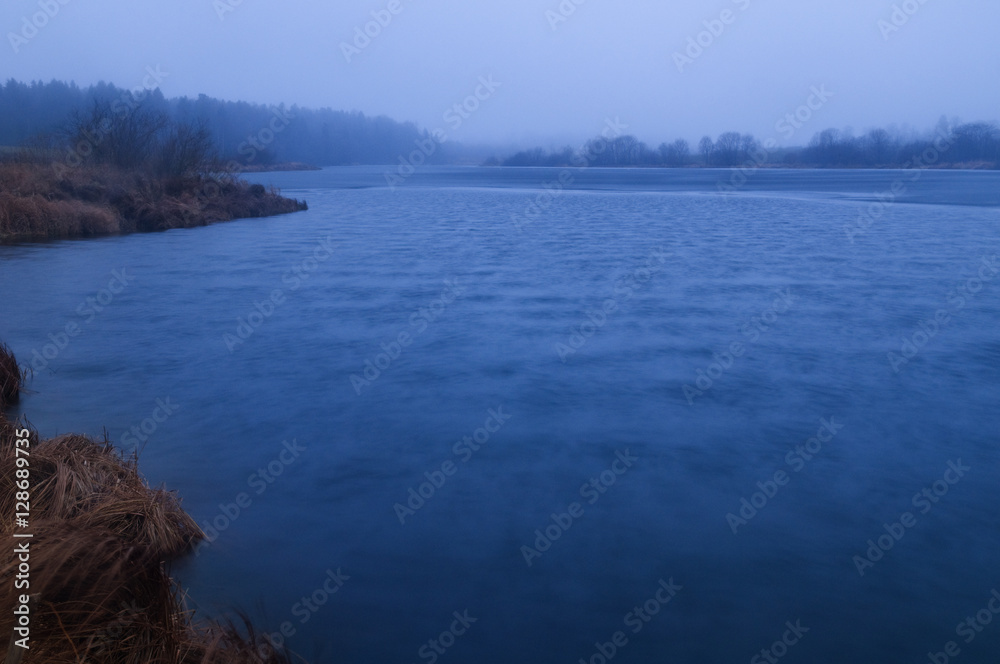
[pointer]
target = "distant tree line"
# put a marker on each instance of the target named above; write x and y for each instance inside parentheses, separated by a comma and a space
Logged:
(240, 132)
(974, 144)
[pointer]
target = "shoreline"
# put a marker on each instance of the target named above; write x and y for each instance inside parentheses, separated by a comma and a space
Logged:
(92, 555)
(40, 202)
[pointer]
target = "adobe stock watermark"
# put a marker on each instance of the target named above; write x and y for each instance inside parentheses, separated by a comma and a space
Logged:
(968, 629)
(562, 13)
(592, 491)
(30, 27)
(454, 117)
(259, 481)
(142, 432)
(99, 642)
(87, 310)
(265, 136)
(724, 361)
(224, 7)
(901, 15)
(635, 620)
(786, 127)
(581, 159)
(122, 107)
(434, 648)
(293, 278)
(714, 28)
(780, 648)
(372, 29)
(463, 451)
(304, 609)
(420, 320)
(914, 343)
(623, 290)
(886, 199)
(925, 501)
(796, 460)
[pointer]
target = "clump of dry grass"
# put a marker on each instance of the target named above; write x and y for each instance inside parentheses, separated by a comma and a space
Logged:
(39, 201)
(12, 377)
(102, 539)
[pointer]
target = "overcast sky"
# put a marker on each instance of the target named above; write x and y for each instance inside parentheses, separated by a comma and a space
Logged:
(559, 80)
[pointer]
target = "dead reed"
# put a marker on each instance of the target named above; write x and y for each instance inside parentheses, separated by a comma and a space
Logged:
(37, 201)
(12, 377)
(102, 542)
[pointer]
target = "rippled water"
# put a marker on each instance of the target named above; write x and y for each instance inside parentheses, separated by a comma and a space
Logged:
(654, 350)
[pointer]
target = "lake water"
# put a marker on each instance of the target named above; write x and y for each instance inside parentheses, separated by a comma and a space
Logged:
(636, 356)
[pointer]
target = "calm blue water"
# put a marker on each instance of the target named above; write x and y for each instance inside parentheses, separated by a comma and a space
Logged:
(757, 301)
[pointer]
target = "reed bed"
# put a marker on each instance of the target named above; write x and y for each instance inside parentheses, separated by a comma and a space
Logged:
(99, 556)
(38, 201)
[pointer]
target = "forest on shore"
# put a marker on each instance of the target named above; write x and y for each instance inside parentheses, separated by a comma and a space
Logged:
(255, 137)
(245, 136)
(119, 165)
(950, 145)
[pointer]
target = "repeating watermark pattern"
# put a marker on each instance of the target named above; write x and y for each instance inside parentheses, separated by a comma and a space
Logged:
(561, 14)
(724, 361)
(419, 321)
(293, 279)
(901, 15)
(714, 28)
(126, 103)
(581, 159)
(30, 27)
(796, 460)
(915, 342)
(281, 117)
(623, 290)
(363, 36)
(454, 116)
(434, 648)
(463, 450)
(141, 433)
(100, 642)
(225, 7)
(88, 310)
(304, 610)
(780, 648)
(968, 629)
(259, 481)
(592, 491)
(792, 122)
(785, 127)
(886, 199)
(924, 501)
(635, 620)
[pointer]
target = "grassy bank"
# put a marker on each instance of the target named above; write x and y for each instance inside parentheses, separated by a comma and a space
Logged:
(12, 377)
(40, 201)
(96, 565)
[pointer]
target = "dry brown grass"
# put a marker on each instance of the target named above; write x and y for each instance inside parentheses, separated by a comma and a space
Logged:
(12, 377)
(102, 542)
(38, 200)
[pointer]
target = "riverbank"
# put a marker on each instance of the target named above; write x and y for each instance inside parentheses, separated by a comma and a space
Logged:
(87, 576)
(38, 201)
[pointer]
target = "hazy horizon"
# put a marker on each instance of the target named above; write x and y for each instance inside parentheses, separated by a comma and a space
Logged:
(547, 73)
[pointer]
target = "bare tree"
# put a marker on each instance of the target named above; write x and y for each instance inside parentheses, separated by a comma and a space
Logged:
(707, 149)
(123, 136)
(186, 150)
(878, 147)
(675, 154)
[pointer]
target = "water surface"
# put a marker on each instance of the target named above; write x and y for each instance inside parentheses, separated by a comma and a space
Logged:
(581, 328)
